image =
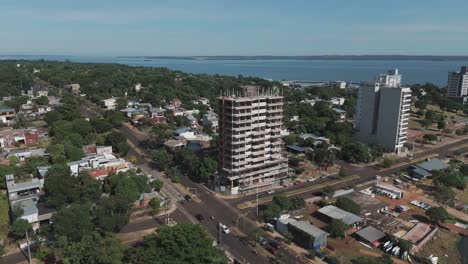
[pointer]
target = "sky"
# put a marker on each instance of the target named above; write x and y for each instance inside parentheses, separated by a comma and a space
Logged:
(236, 27)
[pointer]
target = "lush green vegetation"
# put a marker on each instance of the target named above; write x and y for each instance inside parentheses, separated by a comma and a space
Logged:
(279, 204)
(184, 243)
(349, 205)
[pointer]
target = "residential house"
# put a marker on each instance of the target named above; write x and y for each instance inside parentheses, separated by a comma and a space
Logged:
(175, 144)
(23, 154)
(210, 119)
(341, 114)
(7, 116)
(145, 198)
(317, 139)
(425, 169)
(110, 104)
(100, 165)
(73, 88)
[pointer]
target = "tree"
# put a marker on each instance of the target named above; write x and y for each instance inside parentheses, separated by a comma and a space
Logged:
(75, 139)
(72, 152)
(444, 195)
(112, 213)
(133, 159)
(57, 153)
(338, 228)
(52, 117)
(271, 211)
(429, 137)
(282, 201)
(43, 100)
(162, 159)
(20, 121)
(328, 191)
(92, 248)
(342, 172)
(157, 185)
(19, 227)
(73, 222)
(355, 152)
(464, 169)
(121, 103)
(82, 127)
(183, 243)
(155, 205)
(59, 186)
(437, 214)
(441, 124)
(88, 188)
(348, 205)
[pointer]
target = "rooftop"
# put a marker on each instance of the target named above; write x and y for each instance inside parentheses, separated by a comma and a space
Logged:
(370, 234)
(296, 148)
(28, 205)
(308, 228)
(339, 214)
(433, 164)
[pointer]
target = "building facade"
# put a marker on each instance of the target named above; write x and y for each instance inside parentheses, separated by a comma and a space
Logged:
(390, 79)
(382, 116)
(250, 146)
(457, 84)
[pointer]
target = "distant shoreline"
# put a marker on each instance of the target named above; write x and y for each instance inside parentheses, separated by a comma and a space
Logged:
(317, 57)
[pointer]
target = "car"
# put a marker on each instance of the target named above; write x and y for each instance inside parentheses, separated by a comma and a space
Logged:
(311, 179)
(188, 198)
(377, 177)
(298, 182)
(274, 244)
(200, 217)
(270, 192)
(323, 176)
(224, 228)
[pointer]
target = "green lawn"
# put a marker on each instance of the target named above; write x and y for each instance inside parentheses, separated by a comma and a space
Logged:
(4, 217)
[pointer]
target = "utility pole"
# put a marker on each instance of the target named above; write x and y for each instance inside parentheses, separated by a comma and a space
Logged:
(29, 249)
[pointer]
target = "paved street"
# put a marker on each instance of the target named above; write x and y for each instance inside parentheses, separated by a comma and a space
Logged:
(209, 206)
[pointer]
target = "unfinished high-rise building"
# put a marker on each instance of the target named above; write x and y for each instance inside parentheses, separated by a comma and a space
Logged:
(250, 144)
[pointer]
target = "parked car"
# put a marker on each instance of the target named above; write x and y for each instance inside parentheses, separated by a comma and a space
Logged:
(224, 228)
(200, 217)
(274, 244)
(297, 182)
(188, 198)
(311, 179)
(270, 192)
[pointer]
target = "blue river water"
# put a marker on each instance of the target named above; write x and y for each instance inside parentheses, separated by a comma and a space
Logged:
(315, 70)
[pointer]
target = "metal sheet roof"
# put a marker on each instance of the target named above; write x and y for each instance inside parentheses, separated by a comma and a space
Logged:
(339, 214)
(371, 234)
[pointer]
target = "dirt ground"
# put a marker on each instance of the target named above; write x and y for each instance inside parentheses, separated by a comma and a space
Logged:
(444, 247)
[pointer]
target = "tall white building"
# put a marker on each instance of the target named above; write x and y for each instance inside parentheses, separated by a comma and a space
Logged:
(457, 85)
(390, 79)
(382, 116)
(250, 144)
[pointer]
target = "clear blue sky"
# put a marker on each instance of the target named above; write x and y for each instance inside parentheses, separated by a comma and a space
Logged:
(235, 27)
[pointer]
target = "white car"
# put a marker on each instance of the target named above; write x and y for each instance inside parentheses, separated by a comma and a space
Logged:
(271, 192)
(224, 228)
(378, 177)
(311, 179)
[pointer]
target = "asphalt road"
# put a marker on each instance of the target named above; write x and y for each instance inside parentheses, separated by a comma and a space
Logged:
(208, 206)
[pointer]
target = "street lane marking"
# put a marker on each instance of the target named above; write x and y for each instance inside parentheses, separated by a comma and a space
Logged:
(267, 199)
(459, 147)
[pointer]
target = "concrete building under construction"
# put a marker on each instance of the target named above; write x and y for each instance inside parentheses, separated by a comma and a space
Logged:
(250, 144)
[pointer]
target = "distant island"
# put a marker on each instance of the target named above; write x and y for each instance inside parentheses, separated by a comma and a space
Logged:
(315, 57)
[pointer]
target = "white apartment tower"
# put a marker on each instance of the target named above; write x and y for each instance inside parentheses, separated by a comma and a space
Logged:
(390, 79)
(250, 144)
(457, 85)
(382, 116)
